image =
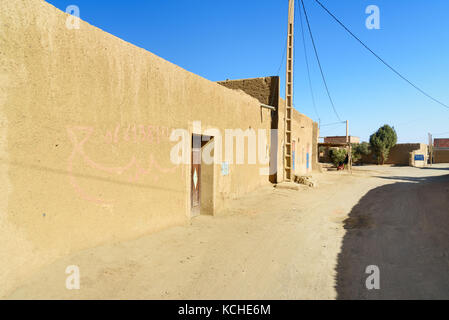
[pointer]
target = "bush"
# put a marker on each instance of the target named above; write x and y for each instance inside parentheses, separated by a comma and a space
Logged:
(337, 156)
(359, 150)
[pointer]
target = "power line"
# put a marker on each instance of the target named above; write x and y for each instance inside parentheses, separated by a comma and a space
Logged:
(332, 124)
(319, 63)
(440, 134)
(279, 69)
(283, 57)
(307, 64)
(379, 58)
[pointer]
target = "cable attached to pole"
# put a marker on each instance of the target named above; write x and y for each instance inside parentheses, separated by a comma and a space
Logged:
(319, 63)
(333, 124)
(307, 64)
(380, 59)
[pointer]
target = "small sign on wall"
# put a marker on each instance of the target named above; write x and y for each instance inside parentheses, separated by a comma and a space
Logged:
(419, 157)
(224, 168)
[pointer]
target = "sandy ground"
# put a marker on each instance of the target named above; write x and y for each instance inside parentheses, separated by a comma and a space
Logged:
(283, 244)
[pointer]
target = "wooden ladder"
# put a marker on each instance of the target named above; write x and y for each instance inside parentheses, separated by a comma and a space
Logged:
(288, 159)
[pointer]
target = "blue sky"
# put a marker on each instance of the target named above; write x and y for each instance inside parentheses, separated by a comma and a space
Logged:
(236, 39)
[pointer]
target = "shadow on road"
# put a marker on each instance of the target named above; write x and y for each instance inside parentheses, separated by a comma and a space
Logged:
(403, 228)
(435, 168)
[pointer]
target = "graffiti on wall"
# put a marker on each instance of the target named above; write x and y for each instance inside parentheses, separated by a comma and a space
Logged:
(132, 170)
(134, 133)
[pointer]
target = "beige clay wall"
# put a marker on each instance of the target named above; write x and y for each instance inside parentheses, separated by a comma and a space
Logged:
(304, 135)
(315, 151)
(441, 156)
(399, 154)
(265, 89)
(304, 132)
(85, 120)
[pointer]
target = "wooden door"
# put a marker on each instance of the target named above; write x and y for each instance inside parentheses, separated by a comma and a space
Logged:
(196, 182)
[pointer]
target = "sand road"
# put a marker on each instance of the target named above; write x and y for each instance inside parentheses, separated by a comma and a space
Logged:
(283, 244)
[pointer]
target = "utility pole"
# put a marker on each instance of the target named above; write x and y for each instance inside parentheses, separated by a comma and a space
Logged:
(288, 164)
(431, 148)
(349, 147)
(347, 131)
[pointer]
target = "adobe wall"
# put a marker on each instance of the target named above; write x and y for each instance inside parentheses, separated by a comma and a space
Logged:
(304, 135)
(441, 156)
(315, 151)
(265, 89)
(341, 139)
(304, 131)
(85, 121)
(399, 154)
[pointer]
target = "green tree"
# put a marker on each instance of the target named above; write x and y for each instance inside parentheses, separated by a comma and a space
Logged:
(359, 150)
(337, 155)
(382, 141)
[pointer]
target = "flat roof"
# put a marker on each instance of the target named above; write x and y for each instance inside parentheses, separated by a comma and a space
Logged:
(229, 80)
(341, 137)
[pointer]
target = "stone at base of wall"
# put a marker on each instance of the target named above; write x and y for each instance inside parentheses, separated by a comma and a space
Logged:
(306, 180)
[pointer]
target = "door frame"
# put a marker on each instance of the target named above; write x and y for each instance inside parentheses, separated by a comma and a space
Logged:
(195, 181)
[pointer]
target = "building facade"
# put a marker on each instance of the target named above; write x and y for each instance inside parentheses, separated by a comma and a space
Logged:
(102, 141)
(441, 150)
(305, 131)
(341, 139)
(441, 143)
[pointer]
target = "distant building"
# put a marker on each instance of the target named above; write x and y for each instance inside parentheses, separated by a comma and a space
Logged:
(341, 139)
(441, 150)
(441, 143)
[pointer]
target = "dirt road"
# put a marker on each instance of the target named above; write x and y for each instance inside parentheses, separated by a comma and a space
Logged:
(283, 244)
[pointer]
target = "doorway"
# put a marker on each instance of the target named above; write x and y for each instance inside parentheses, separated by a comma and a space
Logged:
(202, 176)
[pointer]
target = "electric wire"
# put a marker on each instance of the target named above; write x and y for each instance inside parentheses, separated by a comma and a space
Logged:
(332, 124)
(379, 58)
(441, 134)
(307, 65)
(319, 63)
